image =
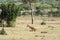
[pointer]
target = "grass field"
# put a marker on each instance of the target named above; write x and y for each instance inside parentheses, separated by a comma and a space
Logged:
(21, 32)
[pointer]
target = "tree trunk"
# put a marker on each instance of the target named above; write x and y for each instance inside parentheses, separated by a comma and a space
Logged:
(2, 32)
(3, 25)
(32, 20)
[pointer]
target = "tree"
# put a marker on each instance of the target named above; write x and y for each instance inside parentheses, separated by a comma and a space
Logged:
(29, 2)
(9, 12)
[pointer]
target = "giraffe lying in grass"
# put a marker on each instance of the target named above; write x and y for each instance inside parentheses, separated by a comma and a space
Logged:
(32, 28)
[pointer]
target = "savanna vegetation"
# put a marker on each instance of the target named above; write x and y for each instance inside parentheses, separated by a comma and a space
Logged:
(10, 11)
(33, 11)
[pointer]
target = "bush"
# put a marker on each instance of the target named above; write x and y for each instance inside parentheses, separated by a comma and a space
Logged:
(3, 32)
(9, 12)
(43, 23)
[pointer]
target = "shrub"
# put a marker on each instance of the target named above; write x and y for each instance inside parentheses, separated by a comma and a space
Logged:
(43, 23)
(3, 32)
(9, 12)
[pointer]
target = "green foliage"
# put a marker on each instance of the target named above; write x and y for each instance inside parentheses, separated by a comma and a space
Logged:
(9, 11)
(50, 8)
(24, 7)
(30, 1)
(43, 8)
(38, 11)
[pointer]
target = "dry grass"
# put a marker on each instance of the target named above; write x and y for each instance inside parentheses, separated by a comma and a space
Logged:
(21, 32)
